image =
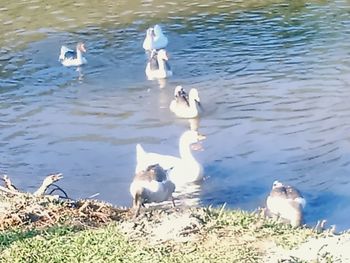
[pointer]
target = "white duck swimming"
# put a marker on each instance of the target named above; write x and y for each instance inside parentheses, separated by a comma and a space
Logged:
(286, 202)
(155, 39)
(184, 169)
(151, 185)
(158, 66)
(186, 105)
(69, 57)
(148, 42)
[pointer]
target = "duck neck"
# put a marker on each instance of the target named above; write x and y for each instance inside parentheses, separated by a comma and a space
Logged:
(79, 55)
(162, 65)
(185, 151)
(193, 103)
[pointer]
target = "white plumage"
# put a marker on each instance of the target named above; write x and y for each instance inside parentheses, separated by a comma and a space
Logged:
(155, 39)
(158, 66)
(185, 105)
(184, 169)
(69, 57)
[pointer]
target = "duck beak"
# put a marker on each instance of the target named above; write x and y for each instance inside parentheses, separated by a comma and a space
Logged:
(201, 137)
(197, 147)
(82, 47)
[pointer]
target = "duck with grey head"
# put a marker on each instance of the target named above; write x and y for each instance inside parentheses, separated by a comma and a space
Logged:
(186, 105)
(286, 202)
(151, 185)
(158, 66)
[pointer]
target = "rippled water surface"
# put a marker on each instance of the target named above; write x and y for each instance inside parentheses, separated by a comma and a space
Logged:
(273, 76)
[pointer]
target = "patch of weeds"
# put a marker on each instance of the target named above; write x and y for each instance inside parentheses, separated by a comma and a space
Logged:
(7, 237)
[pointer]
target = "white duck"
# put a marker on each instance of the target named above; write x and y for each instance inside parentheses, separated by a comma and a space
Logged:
(148, 42)
(286, 202)
(151, 185)
(184, 169)
(155, 39)
(186, 105)
(158, 66)
(69, 57)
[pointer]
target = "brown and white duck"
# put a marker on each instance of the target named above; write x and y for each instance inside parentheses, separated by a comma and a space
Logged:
(151, 185)
(286, 202)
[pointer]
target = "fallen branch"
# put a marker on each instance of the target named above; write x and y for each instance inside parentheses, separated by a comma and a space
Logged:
(8, 183)
(8, 191)
(50, 179)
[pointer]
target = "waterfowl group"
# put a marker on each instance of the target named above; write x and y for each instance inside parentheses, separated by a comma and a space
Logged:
(158, 175)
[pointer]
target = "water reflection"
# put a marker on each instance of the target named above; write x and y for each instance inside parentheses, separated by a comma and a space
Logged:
(194, 124)
(80, 74)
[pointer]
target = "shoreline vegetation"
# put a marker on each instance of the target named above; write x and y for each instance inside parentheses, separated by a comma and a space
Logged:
(45, 228)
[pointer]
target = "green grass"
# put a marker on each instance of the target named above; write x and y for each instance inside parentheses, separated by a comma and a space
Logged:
(225, 236)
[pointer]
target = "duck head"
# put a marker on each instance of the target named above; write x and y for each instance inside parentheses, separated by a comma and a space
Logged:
(150, 32)
(162, 54)
(178, 90)
(193, 138)
(277, 184)
(157, 30)
(81, 47)
(193, 95)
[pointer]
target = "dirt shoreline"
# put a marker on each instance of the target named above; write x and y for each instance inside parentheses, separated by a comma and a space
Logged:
(245, 237)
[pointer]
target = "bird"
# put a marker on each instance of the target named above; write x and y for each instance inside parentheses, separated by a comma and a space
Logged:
(151, 185)
(69, 57)
(186, 105)
(148, 41)
(183, 169)
(286, 202)
(155, 39)
(157, 66)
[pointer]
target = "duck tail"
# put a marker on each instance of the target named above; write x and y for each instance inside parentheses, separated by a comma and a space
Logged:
(140, 153)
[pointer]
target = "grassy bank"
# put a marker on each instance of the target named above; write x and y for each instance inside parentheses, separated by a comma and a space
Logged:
(90, 231)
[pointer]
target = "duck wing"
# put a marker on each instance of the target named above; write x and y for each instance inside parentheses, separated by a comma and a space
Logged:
(153, 62)
(64, 50)
(182, 98)
(70, 55)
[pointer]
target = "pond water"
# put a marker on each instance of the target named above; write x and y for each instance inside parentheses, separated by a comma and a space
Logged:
(273, 76)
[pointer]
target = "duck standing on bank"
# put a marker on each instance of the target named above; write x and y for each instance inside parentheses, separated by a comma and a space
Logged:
(69, 57)
(158, 66)
(151, 185)
(286, 202)
(186, 105)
